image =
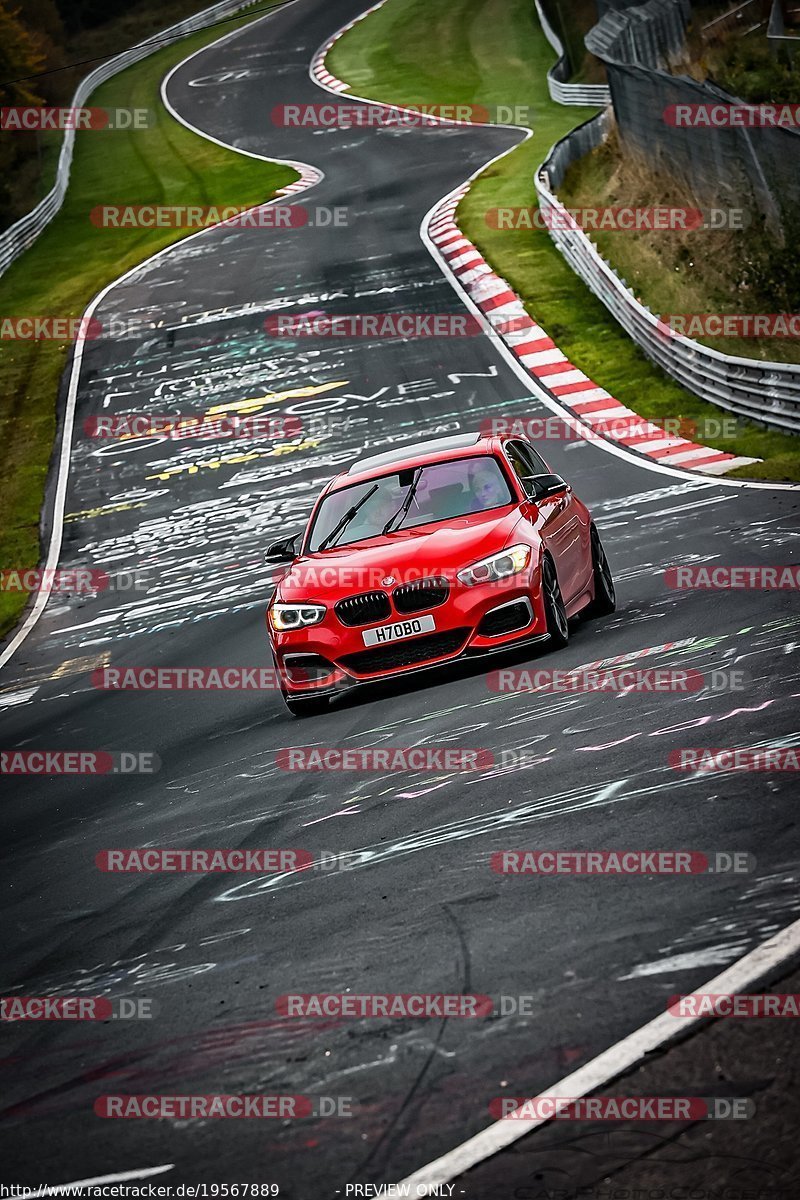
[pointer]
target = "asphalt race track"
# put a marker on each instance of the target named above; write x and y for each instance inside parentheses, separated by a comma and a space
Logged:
(422, 912)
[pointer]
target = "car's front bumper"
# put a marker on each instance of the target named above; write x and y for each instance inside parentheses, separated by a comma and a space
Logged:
(472, 621)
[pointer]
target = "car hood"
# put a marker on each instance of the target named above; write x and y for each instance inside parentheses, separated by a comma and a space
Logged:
(441, 548)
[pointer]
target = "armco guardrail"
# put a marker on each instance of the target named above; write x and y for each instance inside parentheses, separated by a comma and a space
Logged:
(561, 91)
(19, 236)
(768, 392)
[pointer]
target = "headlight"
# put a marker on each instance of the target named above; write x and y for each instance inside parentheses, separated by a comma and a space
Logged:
(497, 566)
(295, 616)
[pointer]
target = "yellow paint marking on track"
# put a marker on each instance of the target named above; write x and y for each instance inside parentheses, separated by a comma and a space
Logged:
(102, 510)
(213, 464)
(81, 666)
(256, 402)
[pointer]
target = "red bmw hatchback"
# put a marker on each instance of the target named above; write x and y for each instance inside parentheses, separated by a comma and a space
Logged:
(460, 546)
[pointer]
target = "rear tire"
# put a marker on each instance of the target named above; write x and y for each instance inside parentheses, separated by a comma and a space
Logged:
(605, 596)
(306, 706)
(555, 610)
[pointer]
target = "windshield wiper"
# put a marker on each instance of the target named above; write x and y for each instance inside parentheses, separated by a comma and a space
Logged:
(345, 521)
(402, 511)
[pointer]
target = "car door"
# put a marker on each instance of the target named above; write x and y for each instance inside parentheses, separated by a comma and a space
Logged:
(561, 530)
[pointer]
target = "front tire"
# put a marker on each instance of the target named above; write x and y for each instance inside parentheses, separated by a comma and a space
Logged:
(554, 607)
(605, 596)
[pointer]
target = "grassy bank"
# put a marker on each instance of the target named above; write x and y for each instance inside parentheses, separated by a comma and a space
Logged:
(486, 52)
(73, 260)
(692, 270)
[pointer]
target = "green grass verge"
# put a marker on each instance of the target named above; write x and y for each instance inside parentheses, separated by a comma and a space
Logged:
(493, 51)
(73, 260)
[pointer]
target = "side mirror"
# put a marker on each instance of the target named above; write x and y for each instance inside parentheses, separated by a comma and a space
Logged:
(539, 487)
(283, 551)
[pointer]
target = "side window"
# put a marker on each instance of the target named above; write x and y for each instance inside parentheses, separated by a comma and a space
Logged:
(537, 465)
(520, 467)
(525, 461)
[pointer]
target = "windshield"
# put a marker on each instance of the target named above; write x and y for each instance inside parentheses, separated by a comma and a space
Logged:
(441, 491)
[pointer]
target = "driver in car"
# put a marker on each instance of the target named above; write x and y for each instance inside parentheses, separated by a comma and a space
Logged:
(486, 486)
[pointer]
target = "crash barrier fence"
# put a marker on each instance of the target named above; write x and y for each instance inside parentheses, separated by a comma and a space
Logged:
(19, 236)
(782, 42)
(756, 169)
(741, 19)
(561, 91)
(766, 392)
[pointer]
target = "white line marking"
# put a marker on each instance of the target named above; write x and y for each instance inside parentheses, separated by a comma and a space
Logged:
(745, 973)
(63, 468)
(120, 1177)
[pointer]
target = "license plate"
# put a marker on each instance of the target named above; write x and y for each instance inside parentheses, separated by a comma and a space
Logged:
(398, 630)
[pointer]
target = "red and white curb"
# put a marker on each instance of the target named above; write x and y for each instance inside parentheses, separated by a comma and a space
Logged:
(319, 72)
(549, 366)
(309, 177)
(537, 352)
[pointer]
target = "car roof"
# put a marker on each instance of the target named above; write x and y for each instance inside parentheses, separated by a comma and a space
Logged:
(416, 454)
